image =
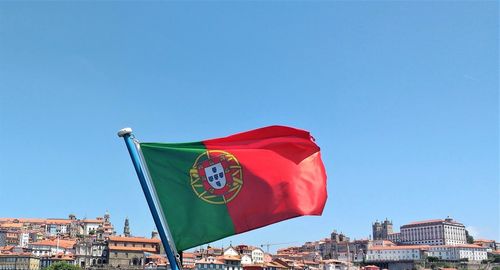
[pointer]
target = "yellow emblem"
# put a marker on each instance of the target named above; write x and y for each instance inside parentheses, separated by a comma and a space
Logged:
(216, 177)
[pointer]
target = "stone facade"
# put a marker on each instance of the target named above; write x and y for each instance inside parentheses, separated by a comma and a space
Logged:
(129, 251)
(382, 230)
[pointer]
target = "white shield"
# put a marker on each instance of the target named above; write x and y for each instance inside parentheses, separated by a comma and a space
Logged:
(216, 176)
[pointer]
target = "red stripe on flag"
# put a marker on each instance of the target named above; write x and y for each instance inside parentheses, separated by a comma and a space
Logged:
(283, 176)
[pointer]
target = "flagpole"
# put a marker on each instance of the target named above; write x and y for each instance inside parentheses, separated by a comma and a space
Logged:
(126, 134)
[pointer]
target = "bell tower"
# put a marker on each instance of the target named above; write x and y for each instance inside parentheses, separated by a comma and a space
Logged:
(126, 228)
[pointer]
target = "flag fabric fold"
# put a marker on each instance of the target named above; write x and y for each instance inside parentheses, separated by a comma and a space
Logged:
(220, 187)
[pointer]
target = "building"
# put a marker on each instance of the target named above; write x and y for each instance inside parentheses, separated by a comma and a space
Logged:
(90, 226)
(231, 262)
(54, 227)
(126, 228)
(491, 245)
(92, 251)
(107, 225)
(51, 227)
(382, 230)
(394, 237)
(48, 261)
(433, 232)
(396, 253)
(130, 251)
(246, 259)
(3, 238)
(9, 237)
(325, 248)
(340, 245)
(188, 260)
(50, 247)
(156, 262)
(209, 263)
(334, 265)
(257, 256)
(462, 252)
(24, 238)
(19, 261)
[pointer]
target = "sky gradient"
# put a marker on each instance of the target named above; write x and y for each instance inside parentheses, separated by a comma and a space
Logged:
(402, 97)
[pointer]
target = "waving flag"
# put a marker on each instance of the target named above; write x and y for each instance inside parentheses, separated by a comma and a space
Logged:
(211, 189)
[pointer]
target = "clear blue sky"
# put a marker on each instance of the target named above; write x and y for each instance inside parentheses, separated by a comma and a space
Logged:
(401, 96)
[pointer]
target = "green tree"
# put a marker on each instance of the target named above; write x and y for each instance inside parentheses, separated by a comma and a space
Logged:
(470, 238)
(62, 266)
(432, 259)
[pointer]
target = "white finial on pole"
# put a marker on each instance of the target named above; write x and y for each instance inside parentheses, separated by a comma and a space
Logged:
(124, 131)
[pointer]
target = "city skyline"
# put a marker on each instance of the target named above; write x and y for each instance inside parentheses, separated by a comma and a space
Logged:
(126, 230)
(402, 98)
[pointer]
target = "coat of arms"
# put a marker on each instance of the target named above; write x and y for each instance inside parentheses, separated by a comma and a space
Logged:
(216, 176)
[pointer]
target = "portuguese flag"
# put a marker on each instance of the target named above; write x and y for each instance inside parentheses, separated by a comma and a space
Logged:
(215, 188)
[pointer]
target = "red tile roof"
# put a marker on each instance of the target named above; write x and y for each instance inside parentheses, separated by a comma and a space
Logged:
(229, 258)
(36, 220)
(122, 248)
(425, 221)
(430, 221)
(58, 221)
(188, 255)
(17, 254)
(461, 246)
(93, 221)
(134, 239)
(484, 241)
(11, 225)
(63, 257)
(67, 244)
(7, 248)
(399, 247)
(205, 261)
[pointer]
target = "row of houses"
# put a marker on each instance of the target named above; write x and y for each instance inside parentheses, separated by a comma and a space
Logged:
(23, 231)
(113, 251)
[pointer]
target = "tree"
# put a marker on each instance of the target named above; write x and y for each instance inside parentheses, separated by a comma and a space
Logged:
(470, 238)
(432, 259)
(62, 266)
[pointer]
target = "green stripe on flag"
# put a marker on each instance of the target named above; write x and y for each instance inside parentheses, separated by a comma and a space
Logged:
(192, 221)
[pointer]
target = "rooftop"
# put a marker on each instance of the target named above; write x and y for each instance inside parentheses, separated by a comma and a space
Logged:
(122, 248)
(67, 244)
(134, 239)
(431, 221)
(399, 247)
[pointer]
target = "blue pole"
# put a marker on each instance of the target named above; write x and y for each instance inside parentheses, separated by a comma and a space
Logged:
(132, 150)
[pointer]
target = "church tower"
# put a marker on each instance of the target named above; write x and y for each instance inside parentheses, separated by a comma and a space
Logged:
(377, 230)
(126, 228)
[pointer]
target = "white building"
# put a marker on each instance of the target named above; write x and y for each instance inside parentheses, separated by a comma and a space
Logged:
(54, 227)
(246, 259)
(433, 232)
(394, 237)
(334, 265)
(52, 247)
(91, 225)
(24, 239)
(209, 263)
(257, 256)
(230, 251)
(459, 252)
(396, 253)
